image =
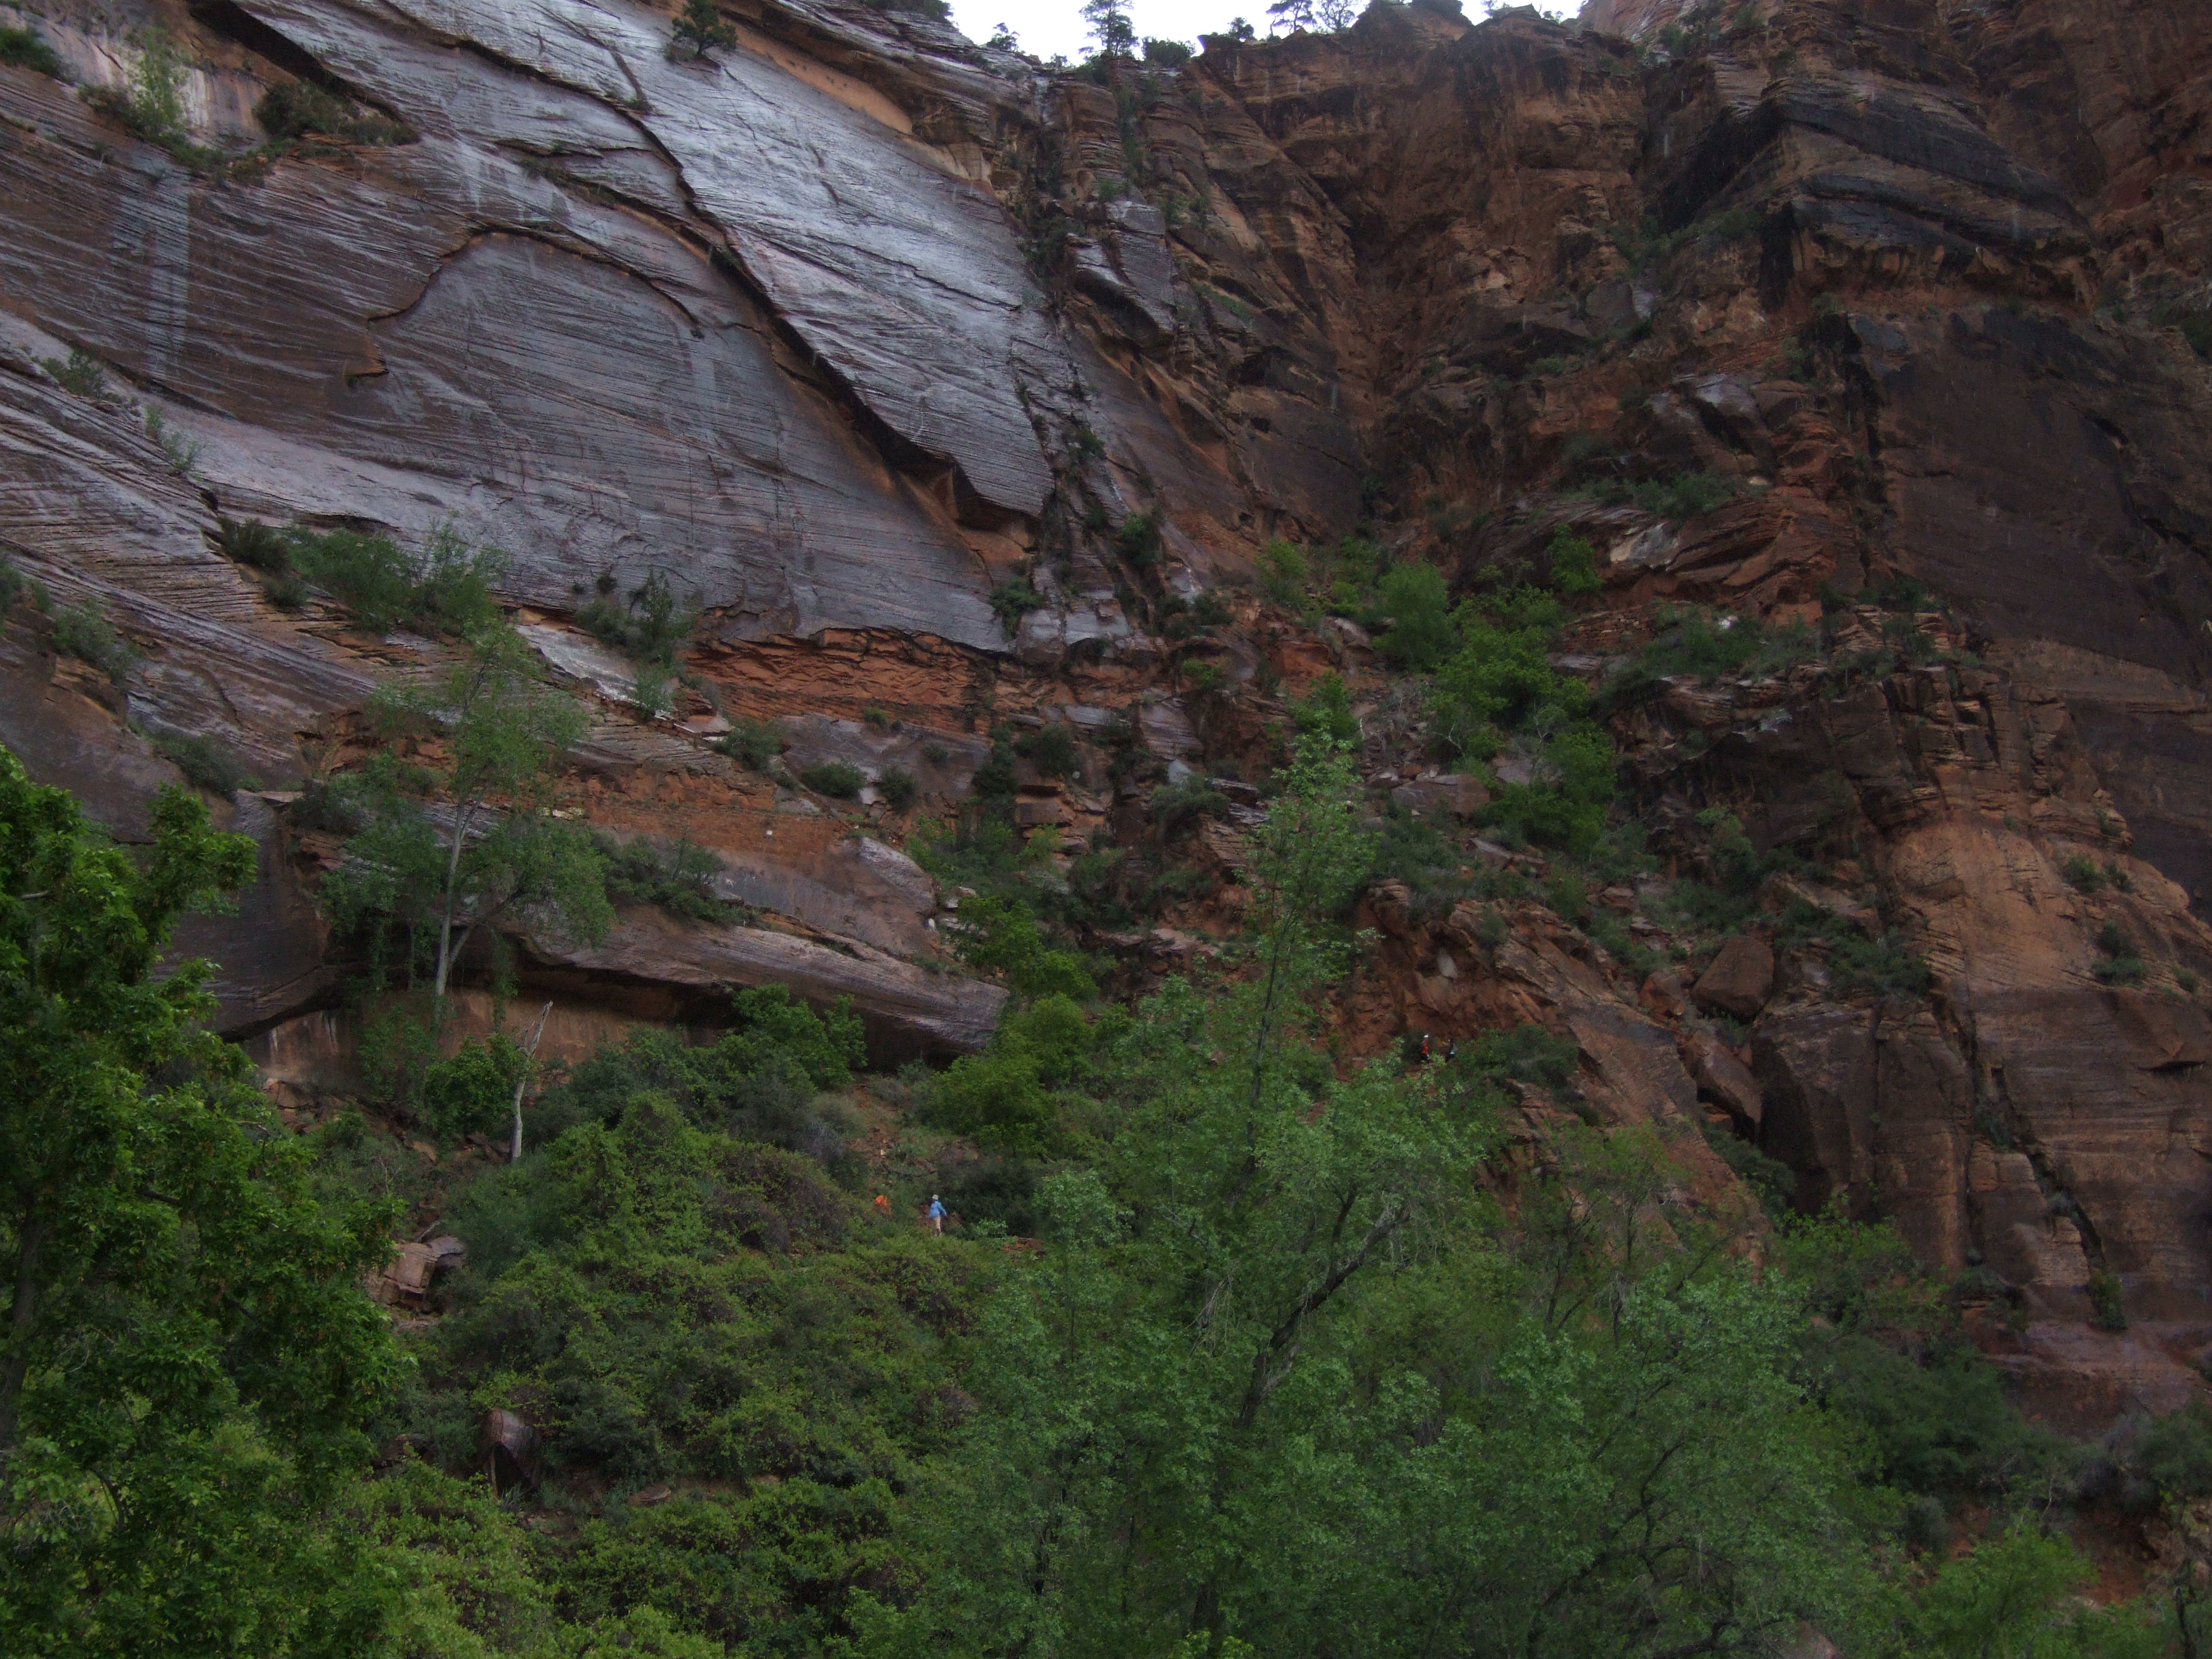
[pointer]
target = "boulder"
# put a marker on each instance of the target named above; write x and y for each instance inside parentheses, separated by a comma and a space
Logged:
(1740, 980)
(513, 1451)
(1723, 1077)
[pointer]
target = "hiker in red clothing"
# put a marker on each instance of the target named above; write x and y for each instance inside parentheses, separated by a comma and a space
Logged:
(883, 1207)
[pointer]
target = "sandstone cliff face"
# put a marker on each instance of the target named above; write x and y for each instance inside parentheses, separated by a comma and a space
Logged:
(843, 328)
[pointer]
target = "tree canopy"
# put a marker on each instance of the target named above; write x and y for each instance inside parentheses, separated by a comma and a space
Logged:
(189, 1360)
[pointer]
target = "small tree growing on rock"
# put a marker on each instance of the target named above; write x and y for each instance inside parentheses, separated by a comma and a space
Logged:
(701, 28)
(446, 848)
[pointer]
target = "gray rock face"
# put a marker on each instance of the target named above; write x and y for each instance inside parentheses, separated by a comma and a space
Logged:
(900, 277)
(444, 333)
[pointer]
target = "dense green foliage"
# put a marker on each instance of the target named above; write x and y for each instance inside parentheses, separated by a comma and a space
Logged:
(189, 1362)
(1272, 1369)
(299, 109)
(81, 631)
(25, 48)
(839, 779)
(444, 587)
(649, 624)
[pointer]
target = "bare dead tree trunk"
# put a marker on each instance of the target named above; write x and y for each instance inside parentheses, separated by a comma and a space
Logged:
(522, 1081)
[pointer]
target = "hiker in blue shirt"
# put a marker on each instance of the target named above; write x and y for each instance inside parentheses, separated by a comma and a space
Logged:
(936, 1212)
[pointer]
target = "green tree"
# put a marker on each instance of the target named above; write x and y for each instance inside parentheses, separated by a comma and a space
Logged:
(2016, 1597)
(470, 839)
(189, 1358)
(1308, 862)
(701, 27)
(1110, 27)
(1415, 599)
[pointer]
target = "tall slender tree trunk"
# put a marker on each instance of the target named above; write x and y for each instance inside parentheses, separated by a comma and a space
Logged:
(446, 951)
(530, 1065)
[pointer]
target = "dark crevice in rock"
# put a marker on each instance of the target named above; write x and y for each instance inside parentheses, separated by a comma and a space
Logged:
(229, 21)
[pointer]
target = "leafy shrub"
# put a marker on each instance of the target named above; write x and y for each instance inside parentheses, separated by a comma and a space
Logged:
(1883, 965)
(2084, 875)
(996, 1099)
(82, 376)
(203, 761)
(2108, 1301)
(1003, 1190)
(1284, 573)
(995, 779)
(1574, 563)
(294, 109)
(1012, 600)
(898, 788)
(1352, 571)
(1940, 1423)
(1501, 680)
(2119, 964)
(1411, 850)
(839, 779)
(680, 881)
(2176, 1452)
(251, 542)
(1176, 806)
(773, 1025)
(81, 632)
(447, 588)
(1680, 498)
(1167, 54)
(1699, 645)
(1000, 1098)
(1527, 1054)
(1565, 804)
(757, 1080)
(151, 104)
(649, 626)
(471, 1091)
(1418, 603)
(1138, 540)
(752, 744)
(182, 453)
(25, 48)
(1326, 711)
(1769, 1180)
(1001, 933)
(287, 591)
(1613, 935)
(1051, 749)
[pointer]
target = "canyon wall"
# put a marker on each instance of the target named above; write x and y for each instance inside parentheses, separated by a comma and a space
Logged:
(848, 328)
